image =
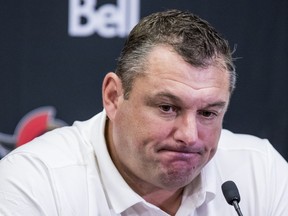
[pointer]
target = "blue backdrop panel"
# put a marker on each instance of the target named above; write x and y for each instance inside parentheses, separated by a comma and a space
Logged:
(56, 53)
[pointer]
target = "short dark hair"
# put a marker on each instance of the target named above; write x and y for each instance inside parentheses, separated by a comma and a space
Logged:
(191, 37)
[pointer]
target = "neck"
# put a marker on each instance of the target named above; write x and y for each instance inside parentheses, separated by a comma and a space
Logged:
(168, 201)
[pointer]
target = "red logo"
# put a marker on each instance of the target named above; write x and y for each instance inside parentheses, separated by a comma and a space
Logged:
(33, 124)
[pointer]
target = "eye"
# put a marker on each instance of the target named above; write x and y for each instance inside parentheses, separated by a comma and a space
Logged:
(168, 108)
(207, 114)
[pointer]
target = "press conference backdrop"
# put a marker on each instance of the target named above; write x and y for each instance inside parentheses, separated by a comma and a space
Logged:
(54, 55)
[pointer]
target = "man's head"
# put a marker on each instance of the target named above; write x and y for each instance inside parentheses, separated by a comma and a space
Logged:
(191, 37)
(165, 104)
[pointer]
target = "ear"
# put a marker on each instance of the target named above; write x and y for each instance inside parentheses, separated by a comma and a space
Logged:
(112, 94)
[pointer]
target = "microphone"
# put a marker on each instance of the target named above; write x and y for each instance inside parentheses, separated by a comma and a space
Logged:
(232, 196)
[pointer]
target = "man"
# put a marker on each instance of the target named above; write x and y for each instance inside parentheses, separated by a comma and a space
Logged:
(158, 147)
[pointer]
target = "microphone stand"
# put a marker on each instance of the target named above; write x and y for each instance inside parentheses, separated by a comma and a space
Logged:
(237, 207)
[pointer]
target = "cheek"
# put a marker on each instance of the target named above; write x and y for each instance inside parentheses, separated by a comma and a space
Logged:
(138, 125)
(144, 135)
(147, 133)
(131, 126)
(210, 137)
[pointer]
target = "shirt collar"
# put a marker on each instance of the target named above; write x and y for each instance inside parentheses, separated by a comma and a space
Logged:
(201, 190)
(120, 196)
(209, 182)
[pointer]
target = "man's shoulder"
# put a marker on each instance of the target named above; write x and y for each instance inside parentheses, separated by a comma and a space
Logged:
(65, 146)
(235, 141)
(56, 171)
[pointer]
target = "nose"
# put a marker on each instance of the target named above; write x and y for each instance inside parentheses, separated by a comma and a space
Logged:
(186, 129)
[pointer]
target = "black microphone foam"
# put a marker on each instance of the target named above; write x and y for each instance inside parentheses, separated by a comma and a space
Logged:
(230, 192)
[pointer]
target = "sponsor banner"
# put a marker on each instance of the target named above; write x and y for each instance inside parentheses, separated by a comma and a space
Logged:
(108, 20)
(32, 125)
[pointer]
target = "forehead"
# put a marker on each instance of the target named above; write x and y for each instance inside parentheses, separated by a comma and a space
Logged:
(164, 63)
(169, 78)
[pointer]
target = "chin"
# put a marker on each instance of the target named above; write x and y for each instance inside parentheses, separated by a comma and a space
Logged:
(176, 180)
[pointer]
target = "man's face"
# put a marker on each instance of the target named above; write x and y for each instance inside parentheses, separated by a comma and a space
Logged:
(169, 127)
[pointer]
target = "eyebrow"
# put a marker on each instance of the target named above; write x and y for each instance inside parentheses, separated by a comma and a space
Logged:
(149, 99)
(168, 95)
(219, 104)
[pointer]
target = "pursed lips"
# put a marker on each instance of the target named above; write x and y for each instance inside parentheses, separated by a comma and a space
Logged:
(181, 150)
(180, 157)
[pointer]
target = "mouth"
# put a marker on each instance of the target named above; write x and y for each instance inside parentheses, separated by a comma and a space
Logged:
(183, 156)
(181, 160)
(181, 150)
